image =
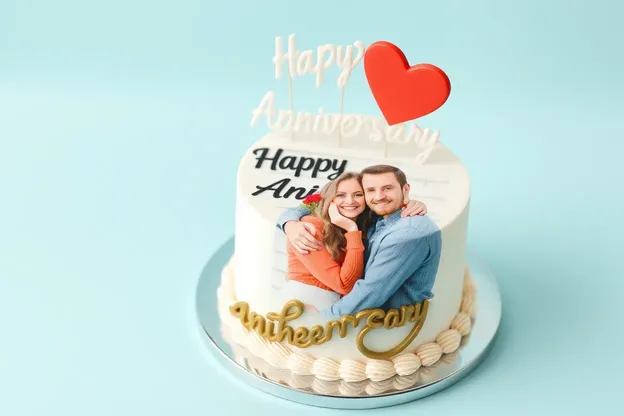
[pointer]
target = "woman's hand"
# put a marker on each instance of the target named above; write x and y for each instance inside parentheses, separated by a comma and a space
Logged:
(414, 208)
(340, 220)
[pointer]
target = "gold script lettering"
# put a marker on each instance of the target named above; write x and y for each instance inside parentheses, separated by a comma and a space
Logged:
(392, 319)
(381, 355)
(274, 327)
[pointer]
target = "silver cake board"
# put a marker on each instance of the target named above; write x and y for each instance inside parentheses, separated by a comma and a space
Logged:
(237, 362)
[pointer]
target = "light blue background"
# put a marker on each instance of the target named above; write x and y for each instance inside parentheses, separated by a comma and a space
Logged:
(121, 127)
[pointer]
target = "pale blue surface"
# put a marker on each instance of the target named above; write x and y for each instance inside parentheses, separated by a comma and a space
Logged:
(120, 135)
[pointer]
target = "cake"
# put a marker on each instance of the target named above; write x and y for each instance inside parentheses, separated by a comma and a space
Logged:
(395, 293)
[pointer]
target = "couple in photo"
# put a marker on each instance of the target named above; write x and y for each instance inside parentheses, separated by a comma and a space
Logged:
(362, 244)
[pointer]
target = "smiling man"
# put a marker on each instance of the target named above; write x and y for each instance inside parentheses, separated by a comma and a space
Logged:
(402, 253)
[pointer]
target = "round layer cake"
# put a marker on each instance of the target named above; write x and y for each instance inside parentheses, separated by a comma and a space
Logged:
(276, 174)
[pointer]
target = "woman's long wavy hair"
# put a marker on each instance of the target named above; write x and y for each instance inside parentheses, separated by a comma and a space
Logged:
(334, 236)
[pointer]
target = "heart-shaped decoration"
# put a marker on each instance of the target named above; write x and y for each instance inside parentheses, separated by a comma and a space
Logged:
(402, 92)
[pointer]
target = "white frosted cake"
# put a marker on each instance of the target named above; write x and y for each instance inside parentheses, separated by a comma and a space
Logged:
(355, 319)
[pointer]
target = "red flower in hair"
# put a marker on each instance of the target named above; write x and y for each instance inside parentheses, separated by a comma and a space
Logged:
(311, 201)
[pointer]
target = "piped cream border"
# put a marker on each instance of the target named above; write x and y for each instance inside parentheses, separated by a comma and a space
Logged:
(280, 356)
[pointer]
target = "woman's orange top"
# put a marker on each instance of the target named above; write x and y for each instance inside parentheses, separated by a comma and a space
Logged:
(318, 268)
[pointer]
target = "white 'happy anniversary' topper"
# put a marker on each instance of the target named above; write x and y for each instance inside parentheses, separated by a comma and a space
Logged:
(300, 63)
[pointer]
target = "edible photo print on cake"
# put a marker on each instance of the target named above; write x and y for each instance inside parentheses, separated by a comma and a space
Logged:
(357, 244)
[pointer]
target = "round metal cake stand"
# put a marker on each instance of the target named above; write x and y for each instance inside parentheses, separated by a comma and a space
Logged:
(451, 368)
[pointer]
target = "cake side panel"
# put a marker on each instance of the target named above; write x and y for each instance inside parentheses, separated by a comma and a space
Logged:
(256, 271)
(260, 247)
(260, 258)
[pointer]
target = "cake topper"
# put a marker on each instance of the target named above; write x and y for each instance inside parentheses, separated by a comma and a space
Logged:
(403, 93)
(408, 93)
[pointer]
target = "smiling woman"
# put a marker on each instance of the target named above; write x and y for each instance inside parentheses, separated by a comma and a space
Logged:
(320, 277)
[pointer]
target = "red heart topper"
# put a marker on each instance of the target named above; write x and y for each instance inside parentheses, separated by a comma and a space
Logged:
(402, 92)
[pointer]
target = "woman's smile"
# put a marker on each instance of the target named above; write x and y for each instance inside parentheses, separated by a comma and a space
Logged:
(349, 210)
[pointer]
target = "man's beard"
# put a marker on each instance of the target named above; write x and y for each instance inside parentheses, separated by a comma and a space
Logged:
(388, 207)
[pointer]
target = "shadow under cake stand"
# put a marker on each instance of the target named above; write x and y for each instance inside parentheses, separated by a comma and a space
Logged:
(244, 366)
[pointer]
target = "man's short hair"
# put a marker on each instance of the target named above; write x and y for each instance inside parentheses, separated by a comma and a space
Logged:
(379, 169)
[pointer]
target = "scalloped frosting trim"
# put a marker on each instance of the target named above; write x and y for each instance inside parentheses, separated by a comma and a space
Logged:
(326, 369)
(366, 386)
